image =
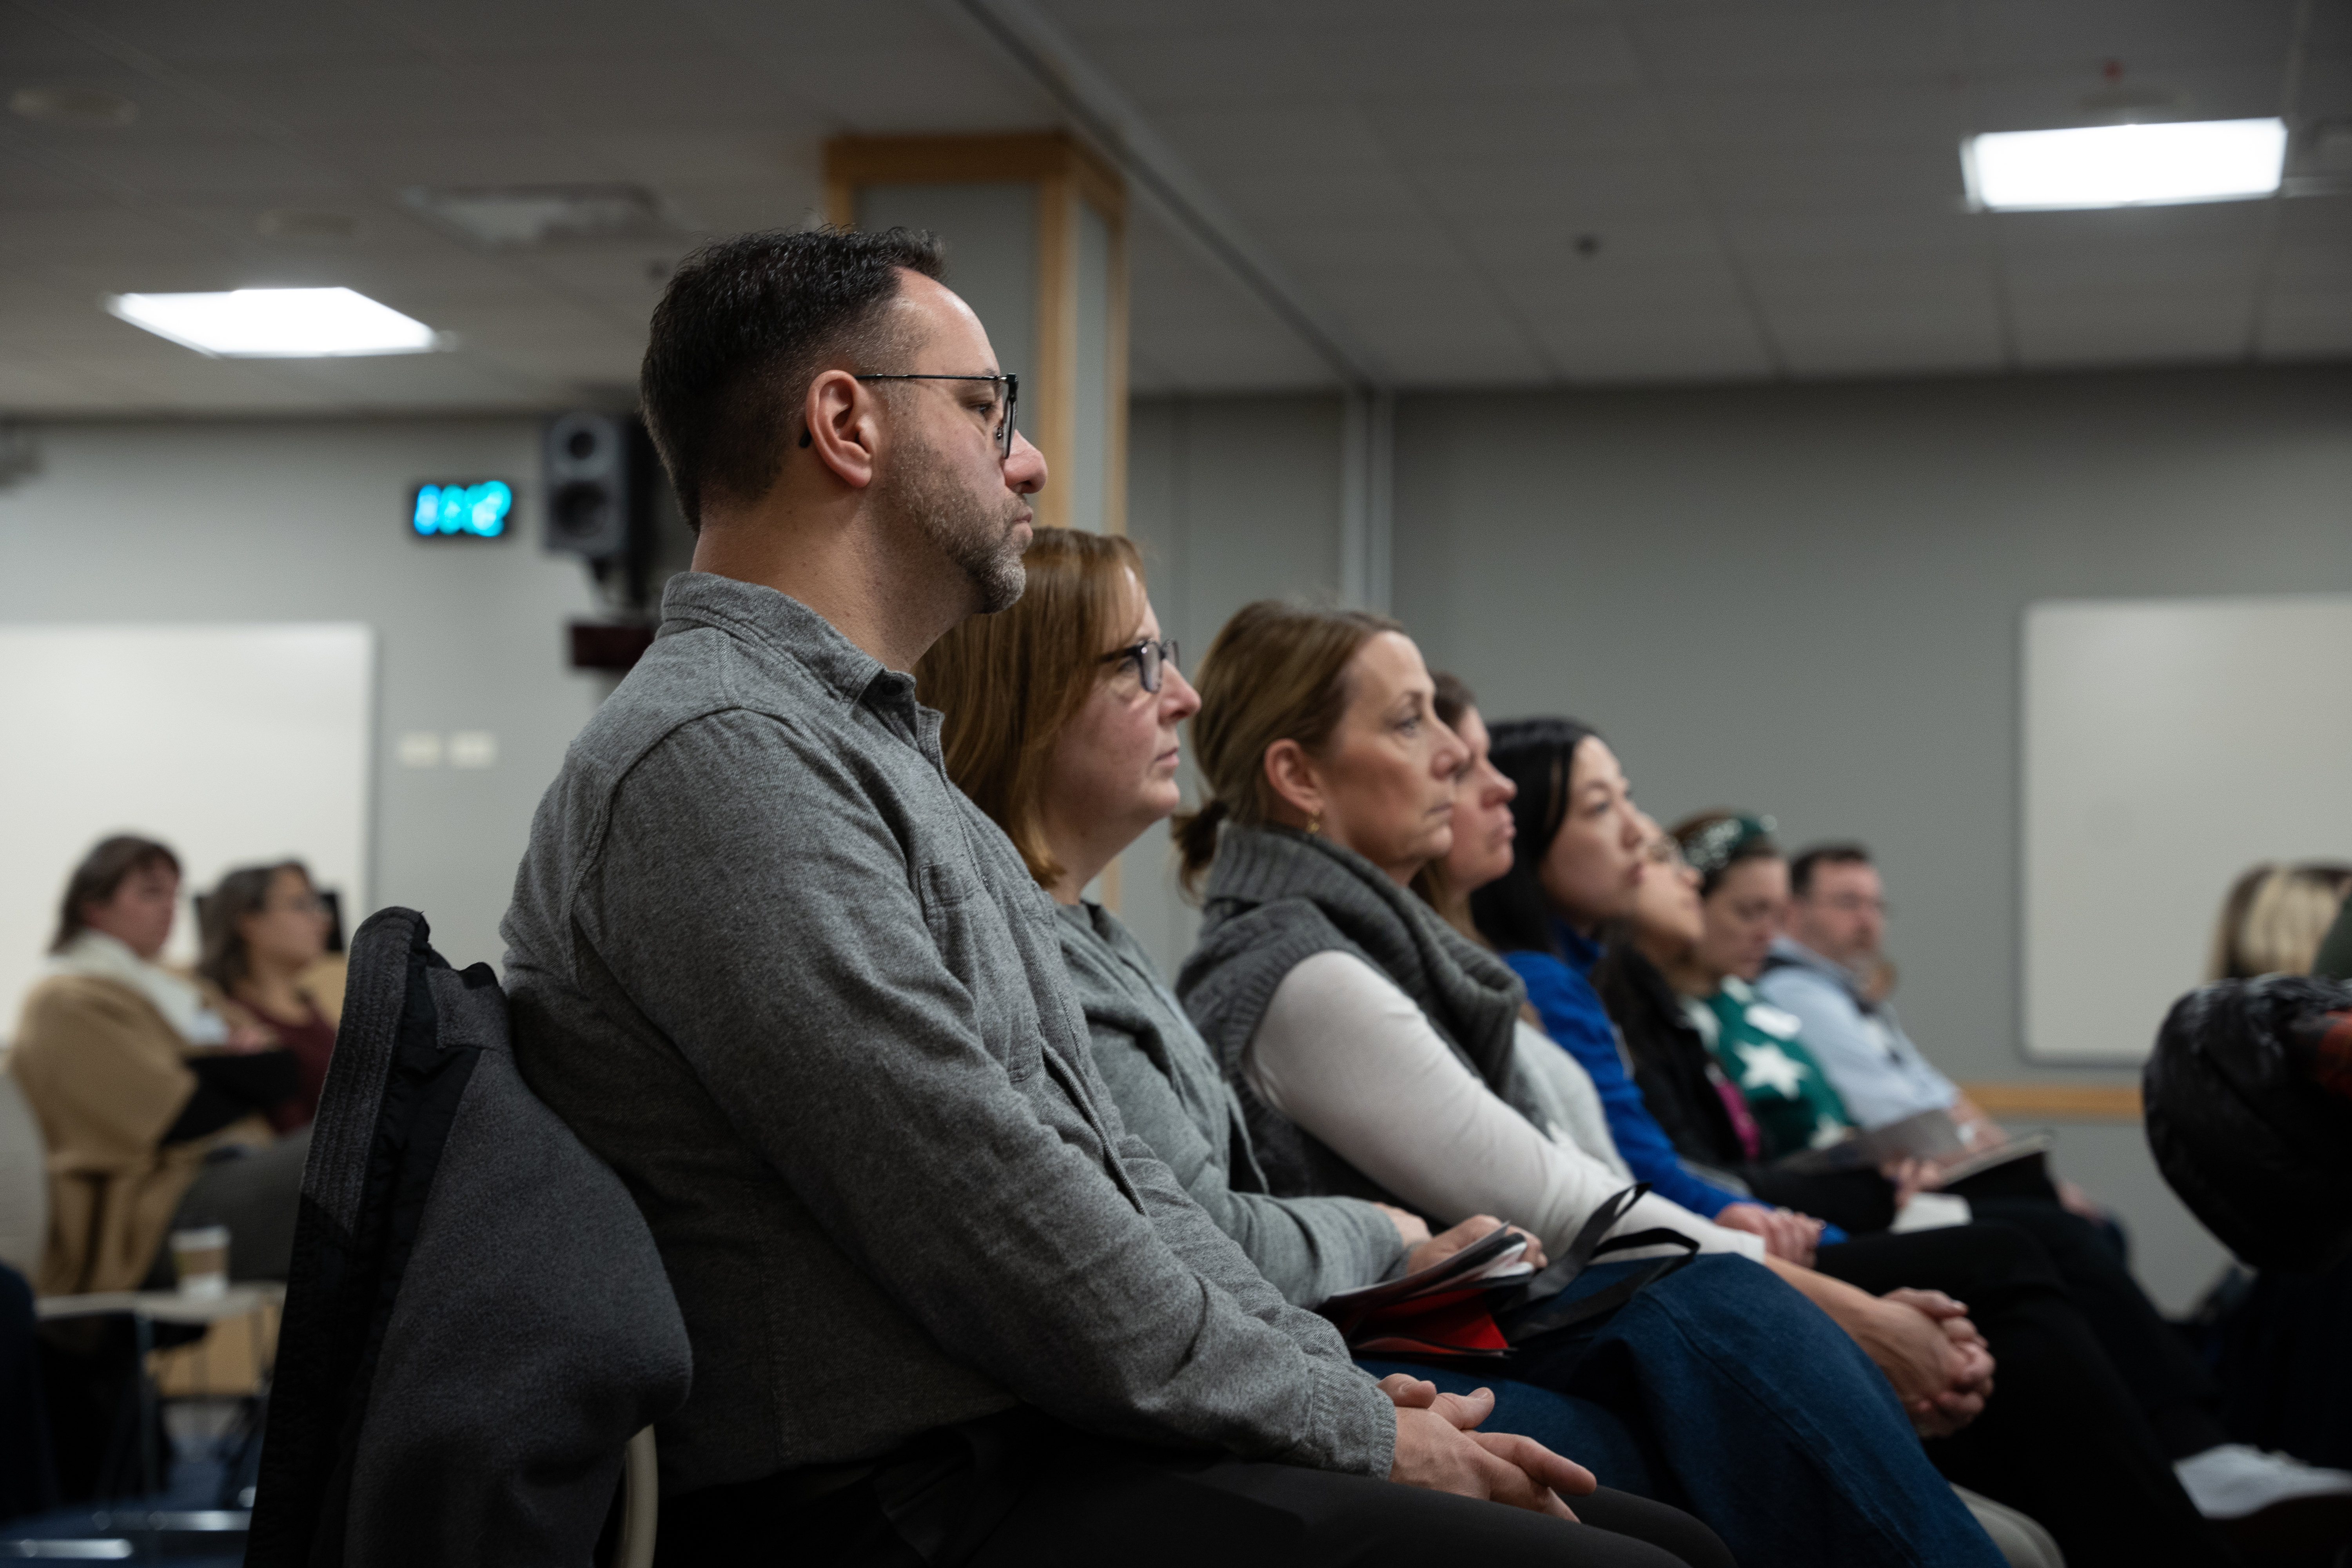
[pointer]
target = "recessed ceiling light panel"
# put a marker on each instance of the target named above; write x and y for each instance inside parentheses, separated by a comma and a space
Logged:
(276, 323)
(2124, 165)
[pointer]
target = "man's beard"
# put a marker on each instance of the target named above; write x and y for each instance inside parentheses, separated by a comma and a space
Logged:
(975, 533)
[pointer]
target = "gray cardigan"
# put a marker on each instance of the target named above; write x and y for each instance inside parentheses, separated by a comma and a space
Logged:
(806, 1000)
(1173, 1097)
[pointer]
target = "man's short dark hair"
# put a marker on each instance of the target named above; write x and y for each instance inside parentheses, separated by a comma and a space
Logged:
(745, 325)
(1800, 869)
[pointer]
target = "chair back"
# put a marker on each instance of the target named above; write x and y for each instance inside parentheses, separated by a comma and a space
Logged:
(24, 1183)
(476, 1321)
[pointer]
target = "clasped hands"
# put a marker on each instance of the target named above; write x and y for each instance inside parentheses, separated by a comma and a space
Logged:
(1439, 1447)
(1937, 1361)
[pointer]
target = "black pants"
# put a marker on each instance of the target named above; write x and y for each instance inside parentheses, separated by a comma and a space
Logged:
(1082, 1499)
(29, 1475)
(2061, 1438)
(2179, 1396)
(257, 1194)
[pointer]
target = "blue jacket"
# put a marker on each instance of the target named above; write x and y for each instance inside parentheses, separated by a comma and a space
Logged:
(1573, 1017)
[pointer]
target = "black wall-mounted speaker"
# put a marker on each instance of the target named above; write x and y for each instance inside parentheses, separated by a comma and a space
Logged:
(599, 474)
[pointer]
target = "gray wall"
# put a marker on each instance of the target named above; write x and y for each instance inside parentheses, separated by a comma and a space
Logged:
(300, 521)
(1230, 500)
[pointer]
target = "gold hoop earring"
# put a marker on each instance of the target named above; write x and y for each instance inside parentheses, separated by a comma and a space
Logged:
(1314, 825)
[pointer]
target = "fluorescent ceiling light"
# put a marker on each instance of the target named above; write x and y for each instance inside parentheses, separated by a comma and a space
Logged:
(2124, 165)
(276, 323)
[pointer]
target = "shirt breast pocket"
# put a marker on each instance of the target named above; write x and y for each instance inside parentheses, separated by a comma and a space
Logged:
(977, 945)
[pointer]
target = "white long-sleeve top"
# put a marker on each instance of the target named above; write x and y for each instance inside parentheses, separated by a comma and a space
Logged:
(1348, 1056)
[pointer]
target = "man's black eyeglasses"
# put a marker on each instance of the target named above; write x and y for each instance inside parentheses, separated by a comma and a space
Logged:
(1012, 384)
(1151, 660)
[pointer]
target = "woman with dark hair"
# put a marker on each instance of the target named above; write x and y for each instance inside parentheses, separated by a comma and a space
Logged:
(1374, 1051)
(1060, 722)
(265, 927)
(1582, 863)
(143, 1092)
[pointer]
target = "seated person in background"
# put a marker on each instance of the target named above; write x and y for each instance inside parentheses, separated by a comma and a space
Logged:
(1374, 1050)
(264, 929)
(2275, 918)
(810, 1005)
(143, 1093)
(1691, 926)
(1581, 863)
(1743, 890)
(2278, 1350)
(1060, 721)
(1836, 924)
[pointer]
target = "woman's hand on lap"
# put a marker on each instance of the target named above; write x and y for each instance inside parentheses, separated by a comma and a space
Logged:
(1787, 1235)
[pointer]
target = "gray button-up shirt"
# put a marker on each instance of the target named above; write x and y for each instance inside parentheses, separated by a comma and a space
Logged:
(806, 1000)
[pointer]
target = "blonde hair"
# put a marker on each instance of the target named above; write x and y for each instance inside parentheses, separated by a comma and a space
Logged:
(1275, 672)
(1007, 683)
(2275, 918)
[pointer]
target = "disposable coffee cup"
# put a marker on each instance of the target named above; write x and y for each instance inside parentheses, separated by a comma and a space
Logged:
(201, 1256)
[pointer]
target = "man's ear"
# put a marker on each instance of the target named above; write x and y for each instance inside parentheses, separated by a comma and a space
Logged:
(1294, 776)
(841, 422)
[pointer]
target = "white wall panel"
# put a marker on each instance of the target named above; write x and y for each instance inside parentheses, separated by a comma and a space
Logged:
(2168, 745)
(234, 744)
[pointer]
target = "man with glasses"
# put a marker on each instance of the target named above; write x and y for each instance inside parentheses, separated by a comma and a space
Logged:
(1837, 923)
(806, 999)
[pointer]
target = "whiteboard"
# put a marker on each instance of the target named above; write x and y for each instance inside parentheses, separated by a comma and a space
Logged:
(234, 744)
(2168, 745)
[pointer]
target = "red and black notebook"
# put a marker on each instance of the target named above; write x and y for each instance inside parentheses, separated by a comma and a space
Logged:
(1446, 1310)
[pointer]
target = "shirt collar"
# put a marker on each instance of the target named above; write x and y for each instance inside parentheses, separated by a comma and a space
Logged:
(778, 625)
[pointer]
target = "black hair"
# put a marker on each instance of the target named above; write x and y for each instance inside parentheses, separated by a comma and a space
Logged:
(1802, 868)
(744, 326)
(101, 876)
(1713, 842)
(1538, 755)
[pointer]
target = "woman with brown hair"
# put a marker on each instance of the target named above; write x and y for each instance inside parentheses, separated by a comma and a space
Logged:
(140, 1087)
(1061, 719)
(266, 927)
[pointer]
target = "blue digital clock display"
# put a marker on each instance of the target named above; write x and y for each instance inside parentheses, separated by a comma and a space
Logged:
(458, 511)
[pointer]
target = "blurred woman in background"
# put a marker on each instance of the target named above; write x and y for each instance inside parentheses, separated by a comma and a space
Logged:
(265, 930)
(151, 1107)
(137, 1083)
(2275, 917)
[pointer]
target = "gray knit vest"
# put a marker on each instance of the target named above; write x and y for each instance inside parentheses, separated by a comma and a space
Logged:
(1277, 897)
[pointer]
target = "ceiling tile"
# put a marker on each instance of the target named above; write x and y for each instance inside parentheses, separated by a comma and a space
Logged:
(1744, 42)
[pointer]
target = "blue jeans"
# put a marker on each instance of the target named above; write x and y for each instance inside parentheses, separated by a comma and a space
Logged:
(1769, 1422)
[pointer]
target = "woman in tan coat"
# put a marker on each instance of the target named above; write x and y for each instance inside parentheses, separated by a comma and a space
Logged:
(142, 1091)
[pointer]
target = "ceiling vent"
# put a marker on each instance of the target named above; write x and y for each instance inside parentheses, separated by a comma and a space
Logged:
(513, 216)
(86, 106)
